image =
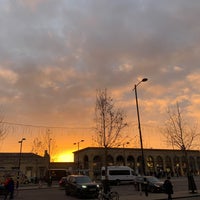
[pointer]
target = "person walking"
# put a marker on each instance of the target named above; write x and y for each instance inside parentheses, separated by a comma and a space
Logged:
(168, 187)
(146, 186)
(9, 185)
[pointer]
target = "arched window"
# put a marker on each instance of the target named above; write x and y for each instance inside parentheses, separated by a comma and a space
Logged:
(110, 160)
(150, 164)
(192, 164)
(86, 162)
(168, 163)
(139, 165)
(184, 164)
(120, 160)
(131, 162)
(198, 163)
(177, 167)
(159, 166)
(97, 164)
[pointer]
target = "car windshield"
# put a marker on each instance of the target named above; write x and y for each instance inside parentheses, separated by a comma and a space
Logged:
(83, 179)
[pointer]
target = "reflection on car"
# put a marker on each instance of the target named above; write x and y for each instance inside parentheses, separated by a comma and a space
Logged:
(81, 186)
(153, 184)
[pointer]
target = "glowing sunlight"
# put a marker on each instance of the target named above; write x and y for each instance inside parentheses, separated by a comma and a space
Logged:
(65, 157)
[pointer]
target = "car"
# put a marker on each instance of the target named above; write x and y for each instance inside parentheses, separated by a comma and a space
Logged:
(62, 182)
(81, 186)
(153, 184)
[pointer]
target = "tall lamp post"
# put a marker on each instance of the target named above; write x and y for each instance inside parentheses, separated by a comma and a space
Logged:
(78, 164)
(139, 126)
(19, 164)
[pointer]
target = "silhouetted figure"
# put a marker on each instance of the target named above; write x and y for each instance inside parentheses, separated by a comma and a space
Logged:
(192, 185)
(106, 186)
(146, 186)
(168, 187)
(9, 186)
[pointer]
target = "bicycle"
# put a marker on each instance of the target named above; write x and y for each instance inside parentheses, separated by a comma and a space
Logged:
(112, 195)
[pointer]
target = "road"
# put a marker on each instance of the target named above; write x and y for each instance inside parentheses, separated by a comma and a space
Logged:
(126, 192)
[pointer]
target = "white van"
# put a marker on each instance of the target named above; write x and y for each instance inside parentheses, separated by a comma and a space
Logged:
(119, 174)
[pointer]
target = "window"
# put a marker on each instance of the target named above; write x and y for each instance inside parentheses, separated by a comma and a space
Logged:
(119, 172)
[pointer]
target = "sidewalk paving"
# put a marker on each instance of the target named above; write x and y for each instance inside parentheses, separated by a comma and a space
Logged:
(162, 196)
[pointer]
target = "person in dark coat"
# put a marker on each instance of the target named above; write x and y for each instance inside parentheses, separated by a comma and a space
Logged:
(146, 186)
(168, 187)
(10, 186)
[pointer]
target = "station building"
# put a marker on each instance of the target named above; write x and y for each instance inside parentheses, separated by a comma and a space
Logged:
(158, 162)
(89, 160)
(31, 165)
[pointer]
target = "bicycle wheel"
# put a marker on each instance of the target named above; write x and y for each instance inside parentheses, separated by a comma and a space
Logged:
(114, 196)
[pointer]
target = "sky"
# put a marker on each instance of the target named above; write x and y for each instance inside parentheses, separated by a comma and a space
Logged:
(55, 55)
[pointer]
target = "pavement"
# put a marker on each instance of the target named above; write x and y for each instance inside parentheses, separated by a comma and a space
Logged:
(184, 195)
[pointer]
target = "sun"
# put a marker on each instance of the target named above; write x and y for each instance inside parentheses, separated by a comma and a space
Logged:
(65, 157)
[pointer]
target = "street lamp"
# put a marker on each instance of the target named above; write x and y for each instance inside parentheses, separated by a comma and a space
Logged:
(20, 156)
(139, 126)
(78, 164)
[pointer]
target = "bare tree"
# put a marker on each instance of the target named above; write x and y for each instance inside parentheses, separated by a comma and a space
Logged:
(44, 142)
(178, 132)
(183, 136)
(37, 146)
(109, 125)
(3, 130)
(3, 126)
(109, 121)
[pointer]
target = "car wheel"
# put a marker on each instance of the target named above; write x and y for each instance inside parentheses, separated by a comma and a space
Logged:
(117, 182)
(67, 192)
(79, 195)
(151, 189)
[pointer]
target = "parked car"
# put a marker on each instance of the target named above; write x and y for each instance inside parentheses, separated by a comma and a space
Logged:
(62, 182)
(81, 186)
(153, 183)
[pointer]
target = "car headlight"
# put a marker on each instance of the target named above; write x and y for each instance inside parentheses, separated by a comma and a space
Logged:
(84, 186)
(157, 185)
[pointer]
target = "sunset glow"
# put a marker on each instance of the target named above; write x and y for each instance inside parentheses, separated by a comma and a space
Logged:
(64, 157)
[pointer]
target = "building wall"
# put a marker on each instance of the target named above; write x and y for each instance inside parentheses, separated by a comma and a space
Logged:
(31, 165)
(159, 162)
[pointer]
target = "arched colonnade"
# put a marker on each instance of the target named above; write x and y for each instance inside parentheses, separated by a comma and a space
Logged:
(157, 162)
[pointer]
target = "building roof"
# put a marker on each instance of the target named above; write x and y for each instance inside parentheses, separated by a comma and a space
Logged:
(6, 155)
(135, 149)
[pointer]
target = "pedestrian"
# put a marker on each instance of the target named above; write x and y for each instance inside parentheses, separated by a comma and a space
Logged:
(168, 187)
(146, 186)
(9, 187)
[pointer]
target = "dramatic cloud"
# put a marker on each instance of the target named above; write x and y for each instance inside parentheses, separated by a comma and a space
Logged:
(54, 55)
